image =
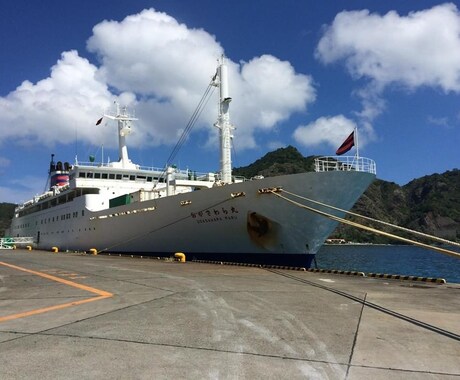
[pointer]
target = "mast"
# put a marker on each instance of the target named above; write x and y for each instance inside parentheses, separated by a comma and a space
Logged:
(124, 129)
(223, 122)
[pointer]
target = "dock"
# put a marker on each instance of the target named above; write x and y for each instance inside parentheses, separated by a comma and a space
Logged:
(81, 316)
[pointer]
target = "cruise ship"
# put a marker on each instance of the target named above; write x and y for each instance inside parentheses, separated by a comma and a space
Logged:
(121, 207)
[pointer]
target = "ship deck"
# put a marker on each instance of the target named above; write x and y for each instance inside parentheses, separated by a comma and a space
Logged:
(73, 316)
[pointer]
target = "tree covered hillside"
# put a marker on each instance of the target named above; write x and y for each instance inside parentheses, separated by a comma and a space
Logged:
(6, 213)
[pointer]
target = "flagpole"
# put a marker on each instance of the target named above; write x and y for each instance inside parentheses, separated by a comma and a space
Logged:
(357, 142)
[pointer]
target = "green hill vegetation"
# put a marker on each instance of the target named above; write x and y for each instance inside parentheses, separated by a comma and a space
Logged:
(6, 213)
(281, 161)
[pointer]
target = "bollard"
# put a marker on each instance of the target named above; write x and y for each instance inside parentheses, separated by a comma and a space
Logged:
(179, 256)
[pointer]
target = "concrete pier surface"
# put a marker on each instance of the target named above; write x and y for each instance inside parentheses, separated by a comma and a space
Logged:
(74, 316)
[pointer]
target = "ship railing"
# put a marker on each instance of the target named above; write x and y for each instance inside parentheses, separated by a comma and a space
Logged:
(345, 163)
(109, 165)
(182, 172)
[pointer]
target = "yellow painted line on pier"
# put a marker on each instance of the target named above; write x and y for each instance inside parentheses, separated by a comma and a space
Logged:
(101, 294)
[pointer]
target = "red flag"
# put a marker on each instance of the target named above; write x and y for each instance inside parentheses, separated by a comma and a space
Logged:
(347, 144)
(99, 121)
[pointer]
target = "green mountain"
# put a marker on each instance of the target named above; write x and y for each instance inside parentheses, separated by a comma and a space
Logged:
(281, 161)
(430, 204)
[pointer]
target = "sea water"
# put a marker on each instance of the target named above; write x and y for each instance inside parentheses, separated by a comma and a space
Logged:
(390, 259)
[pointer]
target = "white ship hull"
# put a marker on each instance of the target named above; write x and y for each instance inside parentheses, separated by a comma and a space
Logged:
(209, 221)
(121, 207)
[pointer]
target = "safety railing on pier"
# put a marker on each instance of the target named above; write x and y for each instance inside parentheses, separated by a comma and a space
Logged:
(345, 163)
(11, 242)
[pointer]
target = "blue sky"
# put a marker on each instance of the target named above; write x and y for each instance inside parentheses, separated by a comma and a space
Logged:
(302, 73)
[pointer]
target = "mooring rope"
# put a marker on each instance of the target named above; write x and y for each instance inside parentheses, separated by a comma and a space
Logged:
(432, 237)
(367, 228)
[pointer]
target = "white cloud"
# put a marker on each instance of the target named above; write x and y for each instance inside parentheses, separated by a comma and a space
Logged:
(51, 110)
(331, 130)
(151, 54)
(169, 67)
(439, 121)
(161, 69)
(420, 49)
(268, 92)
